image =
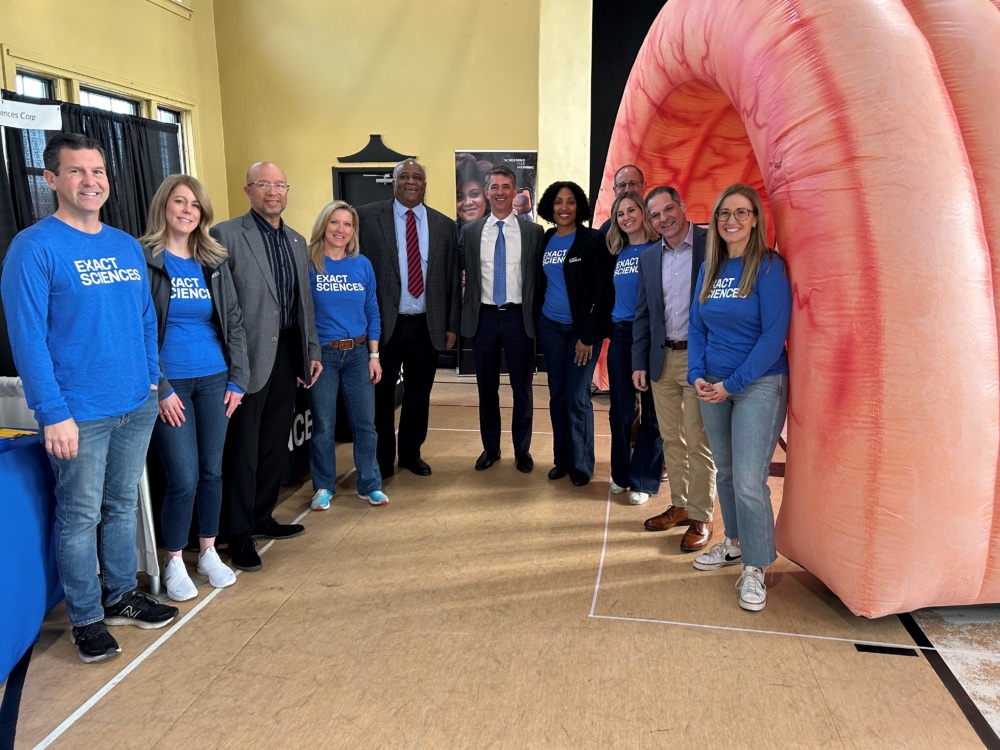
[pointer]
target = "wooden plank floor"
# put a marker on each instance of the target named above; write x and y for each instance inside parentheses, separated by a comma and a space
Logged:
(470, 613)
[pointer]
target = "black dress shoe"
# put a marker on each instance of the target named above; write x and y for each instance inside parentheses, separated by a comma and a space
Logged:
(243, 555)
(417, 466)
(524, 463)
(486, 460)
(274, 530)
(580, 481)
(557, 472)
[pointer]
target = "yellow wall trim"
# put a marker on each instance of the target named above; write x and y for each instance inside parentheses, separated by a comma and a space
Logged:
(180, 9)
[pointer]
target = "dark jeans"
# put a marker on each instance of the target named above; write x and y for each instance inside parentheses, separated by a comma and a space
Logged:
(570, 407)
(641, 468)
(192, 459)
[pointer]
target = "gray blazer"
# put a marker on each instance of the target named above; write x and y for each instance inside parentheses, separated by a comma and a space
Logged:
(443, 285)
(258, 298)
(649, 331)
(469, 253)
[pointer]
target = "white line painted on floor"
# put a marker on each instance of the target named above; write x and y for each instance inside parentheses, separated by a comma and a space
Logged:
(109, 686)
(704, 626)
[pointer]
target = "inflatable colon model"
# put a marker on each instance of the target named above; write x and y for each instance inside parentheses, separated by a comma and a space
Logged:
(872, 130)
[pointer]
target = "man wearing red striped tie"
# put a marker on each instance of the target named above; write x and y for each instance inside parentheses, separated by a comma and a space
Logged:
(414, 253)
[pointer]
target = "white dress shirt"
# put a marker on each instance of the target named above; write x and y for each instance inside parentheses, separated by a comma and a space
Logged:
(487, 249)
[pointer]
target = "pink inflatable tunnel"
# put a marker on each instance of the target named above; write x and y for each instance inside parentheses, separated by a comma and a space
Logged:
(870, 127)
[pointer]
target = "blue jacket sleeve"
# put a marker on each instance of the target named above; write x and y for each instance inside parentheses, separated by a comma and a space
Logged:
(774, 296)
(371, 307)
(697, 334)
(149, 331)
(25, 289)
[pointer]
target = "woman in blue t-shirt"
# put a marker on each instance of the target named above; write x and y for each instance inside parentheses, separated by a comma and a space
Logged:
(348, 325)
(738, 366)
(574, 276)
(204, 371)
(641, 468)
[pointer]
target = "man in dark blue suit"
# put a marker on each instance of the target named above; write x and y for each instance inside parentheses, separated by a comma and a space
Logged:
(668, 273)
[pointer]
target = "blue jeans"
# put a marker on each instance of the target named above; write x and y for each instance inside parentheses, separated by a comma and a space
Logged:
(570, 407)
(192, 458)
(347, 370)
(100, 487)
(640, 468)
(742, 432)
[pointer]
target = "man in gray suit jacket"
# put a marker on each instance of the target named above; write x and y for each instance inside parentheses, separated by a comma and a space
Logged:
(414, 253)
(500, 255)
(270, 270)
(668, 273)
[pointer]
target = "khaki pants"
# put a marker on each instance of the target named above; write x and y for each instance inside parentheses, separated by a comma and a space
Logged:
(686, 454)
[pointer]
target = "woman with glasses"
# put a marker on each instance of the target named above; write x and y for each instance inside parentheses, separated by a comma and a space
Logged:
(739, 368)
(575, 276)
(640, 468)
(348, 325)
(203, 360)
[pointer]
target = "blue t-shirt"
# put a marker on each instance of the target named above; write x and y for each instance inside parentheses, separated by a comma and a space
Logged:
(741, 339)
(344, 299)
(191, 346)
(556, 306)
(81, 321)
(627, 282)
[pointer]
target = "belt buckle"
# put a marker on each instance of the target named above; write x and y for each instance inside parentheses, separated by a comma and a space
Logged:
(344, 344)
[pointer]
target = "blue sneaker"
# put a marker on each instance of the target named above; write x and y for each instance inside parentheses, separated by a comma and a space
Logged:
(375, 498)
(321, 500)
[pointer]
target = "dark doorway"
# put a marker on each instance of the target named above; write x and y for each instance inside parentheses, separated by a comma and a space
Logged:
(361, 185)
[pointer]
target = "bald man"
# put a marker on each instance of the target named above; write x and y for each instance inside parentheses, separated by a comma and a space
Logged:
(269, 264)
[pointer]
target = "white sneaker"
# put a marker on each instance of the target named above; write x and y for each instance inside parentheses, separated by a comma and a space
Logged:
(375, 498)
(722, 554)
(179, 585)
(753, 592)
(615, 489)
(638, 498)
(219, 574)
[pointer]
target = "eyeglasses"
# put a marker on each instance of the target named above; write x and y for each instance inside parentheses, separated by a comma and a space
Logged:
(741, 214)
(621, 187)
(281, 187)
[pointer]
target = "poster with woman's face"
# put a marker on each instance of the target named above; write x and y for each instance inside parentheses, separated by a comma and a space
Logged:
(471, 168)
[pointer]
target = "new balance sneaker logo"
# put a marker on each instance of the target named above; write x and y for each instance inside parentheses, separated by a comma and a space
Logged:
(130, 611)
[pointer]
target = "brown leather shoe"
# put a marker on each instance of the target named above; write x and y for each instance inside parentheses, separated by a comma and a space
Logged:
(672, 516)
(697, 536)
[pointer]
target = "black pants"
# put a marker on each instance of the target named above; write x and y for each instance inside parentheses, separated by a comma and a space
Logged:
(410, 348)
(257, 444)
(503, 331)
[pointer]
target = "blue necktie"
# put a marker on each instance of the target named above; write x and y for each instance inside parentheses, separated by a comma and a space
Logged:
(500, 268)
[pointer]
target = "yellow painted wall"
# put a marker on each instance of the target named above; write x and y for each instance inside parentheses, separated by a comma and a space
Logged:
(133, 43)
(564, 92)
(306, 82)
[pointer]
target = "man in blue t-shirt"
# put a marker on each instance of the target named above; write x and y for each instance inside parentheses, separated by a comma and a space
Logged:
(83, 334)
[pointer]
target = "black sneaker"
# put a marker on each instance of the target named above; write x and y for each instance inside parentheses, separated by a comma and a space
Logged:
(243, 555)
(274, 530)
(94, 643)
(142, 610)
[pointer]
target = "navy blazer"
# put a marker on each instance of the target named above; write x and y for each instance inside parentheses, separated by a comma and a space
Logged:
(649, 331)
(470, 254)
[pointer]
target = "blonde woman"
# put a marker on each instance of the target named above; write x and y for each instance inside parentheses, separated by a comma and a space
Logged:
(203, 361)
(348, 324)
(739, 368)
(641, 468)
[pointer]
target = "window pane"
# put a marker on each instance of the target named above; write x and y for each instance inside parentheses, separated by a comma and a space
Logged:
(36, 86)
(108, 102)
(174, 118)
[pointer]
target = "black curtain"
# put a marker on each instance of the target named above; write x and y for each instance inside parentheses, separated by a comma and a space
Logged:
(140, 154)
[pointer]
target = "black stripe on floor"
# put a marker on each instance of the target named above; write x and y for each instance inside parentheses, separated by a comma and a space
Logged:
(948, 679)
(867, 648)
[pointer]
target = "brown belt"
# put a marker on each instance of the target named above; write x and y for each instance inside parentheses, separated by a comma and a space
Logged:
(347, 343)
(676, 344)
